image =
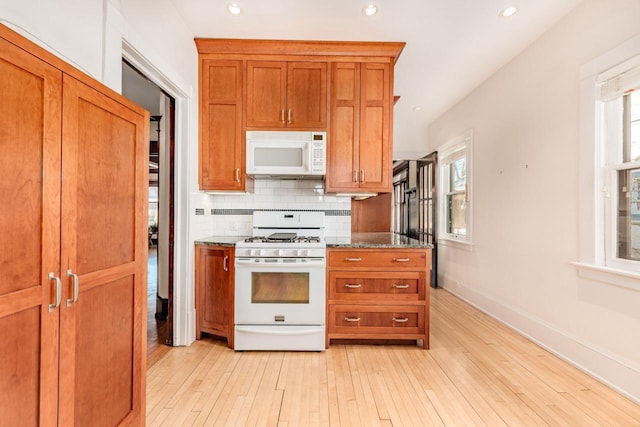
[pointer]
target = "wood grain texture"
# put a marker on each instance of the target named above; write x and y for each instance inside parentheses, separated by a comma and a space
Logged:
(477, 372)
(30, 157)
(221, 144)
(301, 48)
(372, 214)
(214, 291)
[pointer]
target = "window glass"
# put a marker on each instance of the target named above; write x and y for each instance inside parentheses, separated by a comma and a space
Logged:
(454, 159)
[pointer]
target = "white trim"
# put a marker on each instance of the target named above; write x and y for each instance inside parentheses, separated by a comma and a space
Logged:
(142, 56)
(610, 276)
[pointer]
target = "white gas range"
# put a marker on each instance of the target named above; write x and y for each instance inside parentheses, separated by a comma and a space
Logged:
(280, 296)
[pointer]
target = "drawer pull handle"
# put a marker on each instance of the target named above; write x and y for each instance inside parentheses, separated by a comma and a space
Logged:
(402, 259)
(400, 286)
(403, 320)
(353, 259)
(352, 285)
(353, 319)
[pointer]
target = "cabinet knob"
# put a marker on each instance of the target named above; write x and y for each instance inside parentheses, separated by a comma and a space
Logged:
(400, 286)
(353, 319)
(401, 259)
(353, 259)
(403, 320)
(282, 116)
(225, 265)
(355, 175)
(237, 174)
(289, 116)
(362, 176)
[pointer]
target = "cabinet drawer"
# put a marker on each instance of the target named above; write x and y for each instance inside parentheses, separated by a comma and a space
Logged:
(359, 286)
(377, 320)
(375, 258)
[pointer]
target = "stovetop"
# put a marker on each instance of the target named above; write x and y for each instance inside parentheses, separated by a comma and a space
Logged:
(284, 238)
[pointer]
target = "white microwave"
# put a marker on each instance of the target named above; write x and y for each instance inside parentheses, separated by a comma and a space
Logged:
(286, 154)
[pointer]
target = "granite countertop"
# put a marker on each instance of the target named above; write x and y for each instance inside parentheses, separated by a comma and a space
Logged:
(220, 240)
(375, 240)
(356, 240)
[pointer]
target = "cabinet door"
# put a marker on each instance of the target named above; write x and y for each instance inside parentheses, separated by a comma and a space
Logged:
(30, 107)
(266, 94)
(221, 162)
(104, 243)
(213, 283)
(375, 128)
(342, 148)
(307, 95)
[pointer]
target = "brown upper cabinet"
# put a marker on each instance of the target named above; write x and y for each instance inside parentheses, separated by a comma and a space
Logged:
(360, 151)
(221, 165)
(286, 95)
(345, 88)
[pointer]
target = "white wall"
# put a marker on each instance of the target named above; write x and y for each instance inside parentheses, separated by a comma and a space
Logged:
(525, 121)
(92, 35)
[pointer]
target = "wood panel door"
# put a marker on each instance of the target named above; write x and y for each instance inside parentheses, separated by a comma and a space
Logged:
(266, 94)
(307, 95)
(30, 107)
(104, 252)
(222, 164)
(375, 128)
(344, 139)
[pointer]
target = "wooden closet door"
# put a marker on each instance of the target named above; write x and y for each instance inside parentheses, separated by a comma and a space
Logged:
(30, 107)
(104, 242)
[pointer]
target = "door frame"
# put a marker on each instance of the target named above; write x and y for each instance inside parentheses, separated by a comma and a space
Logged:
(180, 317)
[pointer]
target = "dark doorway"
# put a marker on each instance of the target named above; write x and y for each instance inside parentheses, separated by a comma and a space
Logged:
(139, 89)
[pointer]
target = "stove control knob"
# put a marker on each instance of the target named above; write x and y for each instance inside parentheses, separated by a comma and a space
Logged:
(303, 252)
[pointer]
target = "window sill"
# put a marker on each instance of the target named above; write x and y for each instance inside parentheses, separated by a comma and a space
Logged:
(608, 275)
(460, 244)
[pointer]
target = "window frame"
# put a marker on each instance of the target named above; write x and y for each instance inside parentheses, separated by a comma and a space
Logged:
(459, 147)
(597, 185)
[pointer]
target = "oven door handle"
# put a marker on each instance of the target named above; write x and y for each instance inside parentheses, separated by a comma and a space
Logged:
(309, 331)
(280, 265)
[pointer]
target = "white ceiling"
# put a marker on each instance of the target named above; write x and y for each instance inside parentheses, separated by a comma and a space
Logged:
(452, 45)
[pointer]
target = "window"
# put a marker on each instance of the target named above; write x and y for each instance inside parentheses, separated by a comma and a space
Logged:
(454, 159)
(609, 167)
(619, 117)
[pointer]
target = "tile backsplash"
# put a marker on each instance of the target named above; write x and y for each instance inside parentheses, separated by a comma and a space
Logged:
(231, 214)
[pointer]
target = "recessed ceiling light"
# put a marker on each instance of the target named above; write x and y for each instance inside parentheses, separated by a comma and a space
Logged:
(509, 11)
(370, 10)
(417, 108)
(234, 9)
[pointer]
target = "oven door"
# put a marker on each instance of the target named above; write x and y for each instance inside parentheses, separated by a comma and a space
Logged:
(280, 291)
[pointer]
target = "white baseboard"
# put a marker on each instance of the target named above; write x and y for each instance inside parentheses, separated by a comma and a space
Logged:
(616, 373)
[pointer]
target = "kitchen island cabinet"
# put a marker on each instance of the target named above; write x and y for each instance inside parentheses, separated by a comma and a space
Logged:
(377, 289)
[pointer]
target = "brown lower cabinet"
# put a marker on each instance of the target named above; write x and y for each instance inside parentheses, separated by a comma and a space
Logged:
(214, 291)
(73, 245)
(378, 294)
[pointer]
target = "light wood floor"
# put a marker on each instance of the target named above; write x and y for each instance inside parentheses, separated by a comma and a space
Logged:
(477, 372)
